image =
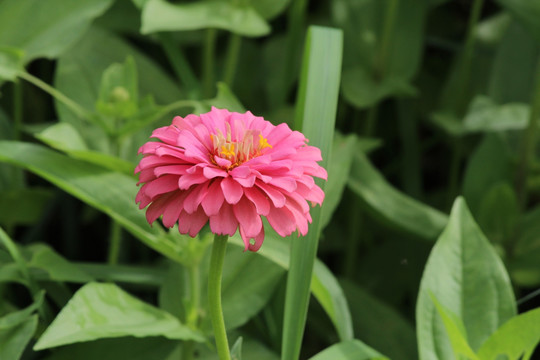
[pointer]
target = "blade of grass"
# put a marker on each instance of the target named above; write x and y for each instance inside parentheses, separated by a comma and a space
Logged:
(315, 115)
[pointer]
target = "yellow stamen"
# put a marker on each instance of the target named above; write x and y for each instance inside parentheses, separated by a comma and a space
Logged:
(263, 142)
(228, 151)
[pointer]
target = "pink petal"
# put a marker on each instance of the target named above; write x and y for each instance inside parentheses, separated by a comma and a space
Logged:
(186, 181)
(277, 197)
(192, 223)
(157, 207)
(224, 222)
(247, 216)
(259, 199)
(193, 199)
(162, 185)
(173, 209)
(211, 172)
(259, 238)
(282, 220)
(231, 190)
(213, 199)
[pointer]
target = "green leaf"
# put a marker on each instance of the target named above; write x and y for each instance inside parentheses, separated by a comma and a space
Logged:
(56, 267)
(11, 63)
(24, 206)
(17, 329)
(14, 339)
(372, 73)
(379, 325)
(339, 166)
(155, 348)
(490, 164)
(324, 285)
(91, 56)
(140, 275)
(99, 311)
(484, 115)
(523, 264)
(526, 12)
(465, 274)
(455, 332)
(349, 350)
(111, 192)
(517, 337)
(316, 108)
(236, 350)
(251, 349)
(514, 62)
(269, 9)
(242, 19)
(46, 28)
(498, 213)
(393, 207)
(64, 137)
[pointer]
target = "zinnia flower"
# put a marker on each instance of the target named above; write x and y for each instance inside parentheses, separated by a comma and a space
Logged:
(229, 169)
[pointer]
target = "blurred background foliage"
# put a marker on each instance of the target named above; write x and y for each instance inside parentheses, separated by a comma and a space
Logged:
(437, 99)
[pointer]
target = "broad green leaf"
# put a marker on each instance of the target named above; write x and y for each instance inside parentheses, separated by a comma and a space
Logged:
(64, 137)
(468, 278)
(56, 267)
(379, 325)
(515, 60)
(390, 205)
(242, 19)
(455, 332)
(108, 191)
(338, 171)
(11, 63)
(523, 264)
(140, 275)
(17, 329)
(155, 348)
(526, 12)
(174, 291)
(489, 164)
(23, 206)
(349, 350)
(316, 108)
(46, 28)
(518, 337)
(484, 115)
(99, 311)
(14, 339)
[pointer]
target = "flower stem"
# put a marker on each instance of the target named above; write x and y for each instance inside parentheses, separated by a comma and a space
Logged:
(214, 296)
(235, 42)
(115, 239)
(17, 110)
(208, 62)
(192, 316)
(388, 30)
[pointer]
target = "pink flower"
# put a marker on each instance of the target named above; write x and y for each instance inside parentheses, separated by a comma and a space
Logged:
(229, 169)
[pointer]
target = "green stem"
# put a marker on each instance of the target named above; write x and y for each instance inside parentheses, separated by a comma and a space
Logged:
(231, 62)
(371, 120)
(388, 31)
(529, 144)
(180, 65)
(208, 62)
(192, 316)
(214, 296)
(72, 105)
(17, 110)
(115, 240)
(467, 56)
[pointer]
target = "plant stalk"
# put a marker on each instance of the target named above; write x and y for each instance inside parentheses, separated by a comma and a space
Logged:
(386, 41)
(235, 42)
(209, 50)
(192, 316)
(219, 248)
(17, 110)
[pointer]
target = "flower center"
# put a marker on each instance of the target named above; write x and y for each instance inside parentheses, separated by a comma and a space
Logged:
(237, 148)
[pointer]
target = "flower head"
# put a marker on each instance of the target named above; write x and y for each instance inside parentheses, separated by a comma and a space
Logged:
(229, 169)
